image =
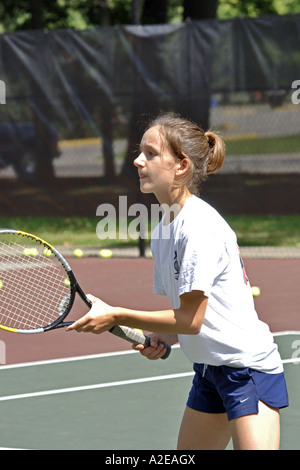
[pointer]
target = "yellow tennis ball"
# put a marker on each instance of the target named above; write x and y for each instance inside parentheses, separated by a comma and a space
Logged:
(105, 253)
(78, 253)
(47, 252)
(67, 282)
(1, 284)
(255, 291)
(30, 252)
(34, 252)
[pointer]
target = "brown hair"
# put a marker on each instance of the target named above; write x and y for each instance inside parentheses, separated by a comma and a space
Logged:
(185, 139)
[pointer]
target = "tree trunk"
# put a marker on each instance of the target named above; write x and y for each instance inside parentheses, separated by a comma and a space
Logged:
(200, 10)
(36, 10)
(154, 12)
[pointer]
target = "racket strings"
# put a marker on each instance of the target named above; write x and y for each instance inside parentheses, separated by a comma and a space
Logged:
(33, 293)
(26, 309)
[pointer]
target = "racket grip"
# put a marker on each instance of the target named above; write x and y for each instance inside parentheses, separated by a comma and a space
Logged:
(136, 337)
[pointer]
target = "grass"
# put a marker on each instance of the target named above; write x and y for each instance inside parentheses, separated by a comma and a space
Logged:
(267, 145)
(73, 231)
(81, 231)
(267, 230)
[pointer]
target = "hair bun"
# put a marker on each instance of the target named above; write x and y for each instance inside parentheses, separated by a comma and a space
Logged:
(217, 153)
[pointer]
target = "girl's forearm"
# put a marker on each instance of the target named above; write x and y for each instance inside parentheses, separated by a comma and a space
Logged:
(185, 320)
(161, 321)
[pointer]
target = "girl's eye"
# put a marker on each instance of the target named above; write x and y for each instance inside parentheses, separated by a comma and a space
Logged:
(150, 153)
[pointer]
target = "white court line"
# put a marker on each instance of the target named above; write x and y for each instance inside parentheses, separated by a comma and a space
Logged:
(68, 359)
(98, 356)
(109, 384)
(95, 386)
(294, 360)
(286, 333)
(10, 448)
(112, 384)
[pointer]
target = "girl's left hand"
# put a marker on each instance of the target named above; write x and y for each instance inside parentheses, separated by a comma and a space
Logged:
(97, 320)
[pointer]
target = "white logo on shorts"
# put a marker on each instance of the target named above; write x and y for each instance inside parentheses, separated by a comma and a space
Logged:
(245, 399)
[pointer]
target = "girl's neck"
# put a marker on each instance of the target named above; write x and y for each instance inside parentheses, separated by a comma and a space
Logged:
(175, 200)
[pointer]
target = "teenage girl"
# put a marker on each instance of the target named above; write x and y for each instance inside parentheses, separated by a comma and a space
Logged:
(239, 384)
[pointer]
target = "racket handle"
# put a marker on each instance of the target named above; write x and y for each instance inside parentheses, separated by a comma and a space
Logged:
(133, 336)
(136, 337)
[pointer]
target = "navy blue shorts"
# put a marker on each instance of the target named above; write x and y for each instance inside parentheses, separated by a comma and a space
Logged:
(222, 389)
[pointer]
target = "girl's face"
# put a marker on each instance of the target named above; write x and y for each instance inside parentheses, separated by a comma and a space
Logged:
(156, 165)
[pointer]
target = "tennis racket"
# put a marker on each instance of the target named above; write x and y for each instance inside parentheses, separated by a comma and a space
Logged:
(38, 288)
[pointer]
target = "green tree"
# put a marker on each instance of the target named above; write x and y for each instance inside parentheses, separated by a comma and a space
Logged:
(32, 14)
(81, 14)
(234, 8)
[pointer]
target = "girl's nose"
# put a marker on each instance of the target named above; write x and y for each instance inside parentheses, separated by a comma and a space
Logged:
(140, 160)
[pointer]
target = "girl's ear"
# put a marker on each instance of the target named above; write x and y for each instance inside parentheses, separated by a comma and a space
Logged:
(183, 166)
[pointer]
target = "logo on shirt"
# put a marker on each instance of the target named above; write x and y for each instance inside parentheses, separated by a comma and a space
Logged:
(246, 280)
(176, 266)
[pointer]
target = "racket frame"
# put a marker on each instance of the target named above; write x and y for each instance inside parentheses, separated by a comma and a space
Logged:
(123, 332)
(74, 287)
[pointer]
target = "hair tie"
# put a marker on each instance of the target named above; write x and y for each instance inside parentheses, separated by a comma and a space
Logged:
(210, 141)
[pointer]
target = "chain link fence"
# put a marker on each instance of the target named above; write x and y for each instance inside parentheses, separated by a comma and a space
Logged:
(77, 103)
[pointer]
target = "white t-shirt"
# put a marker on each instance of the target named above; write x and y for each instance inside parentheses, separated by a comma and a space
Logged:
(198, 251)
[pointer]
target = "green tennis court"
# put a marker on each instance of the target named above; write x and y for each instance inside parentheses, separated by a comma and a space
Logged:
(114, 400)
